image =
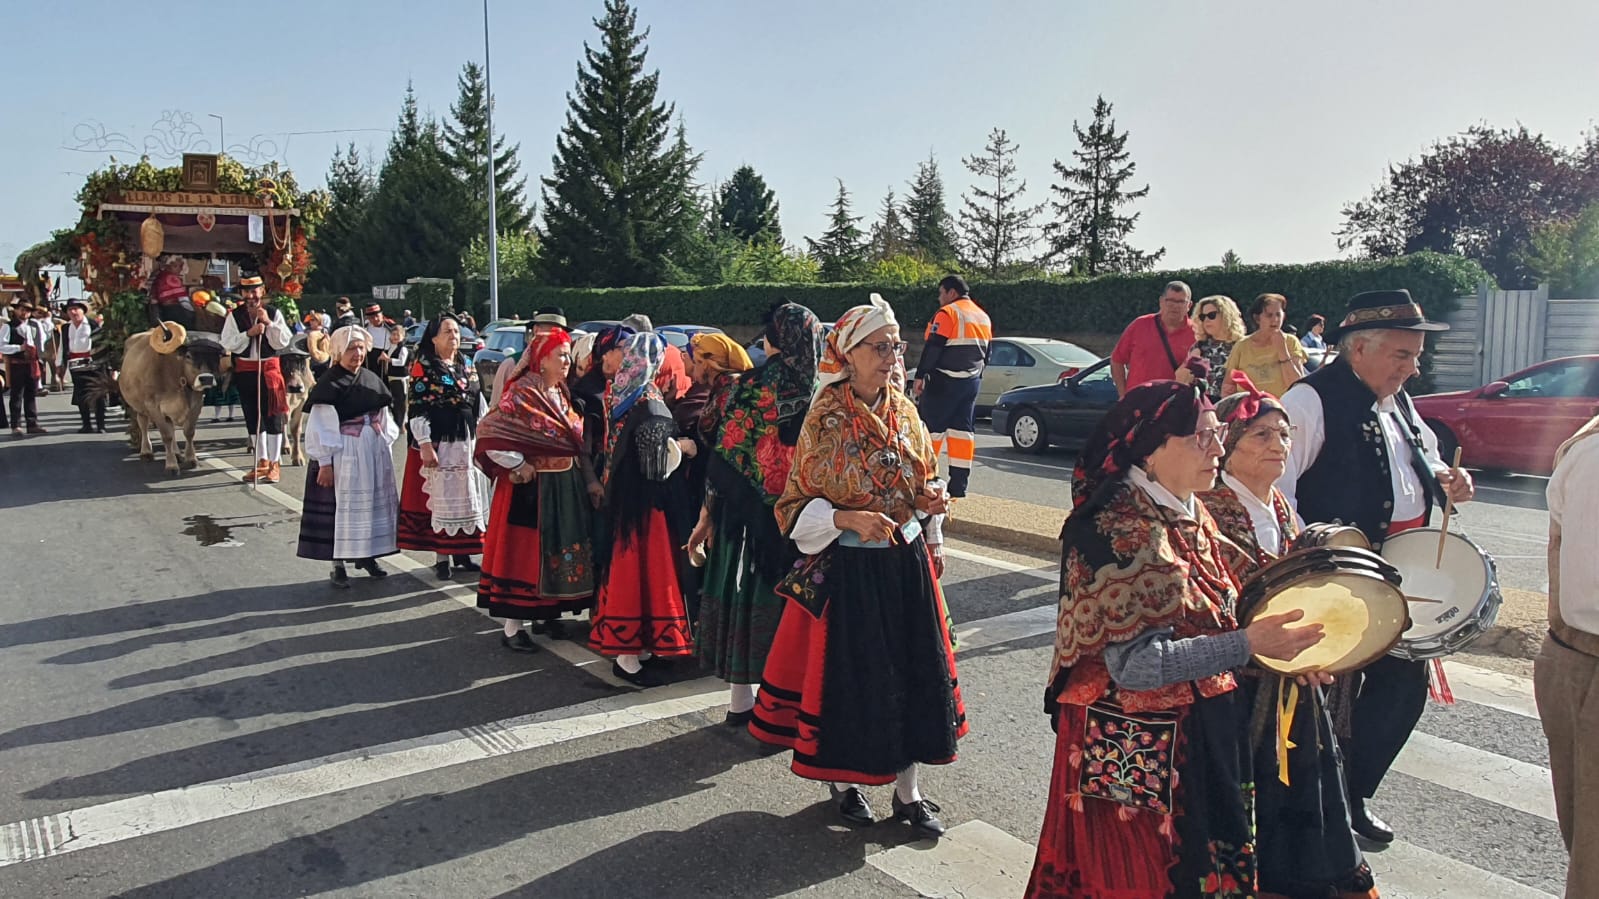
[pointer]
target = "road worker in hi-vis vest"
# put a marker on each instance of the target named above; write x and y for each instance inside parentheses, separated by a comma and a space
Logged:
(947, 378)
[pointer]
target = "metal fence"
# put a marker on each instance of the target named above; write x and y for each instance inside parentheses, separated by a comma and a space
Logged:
(1498, 332)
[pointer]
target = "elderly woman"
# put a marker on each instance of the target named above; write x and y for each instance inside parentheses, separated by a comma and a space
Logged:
(751, 440)
(860, 681)
(594, 375)
(1151, 790)
(1219, 325)
(443, 504)
(537, 557)
(641, 613)
(1273, 358)
(1305, 846)
(351, 507)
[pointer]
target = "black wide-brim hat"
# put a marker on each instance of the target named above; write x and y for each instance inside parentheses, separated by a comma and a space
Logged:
(80, 304)
(1383, 310)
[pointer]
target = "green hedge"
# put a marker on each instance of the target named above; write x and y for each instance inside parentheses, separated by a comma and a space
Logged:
(1089, 305)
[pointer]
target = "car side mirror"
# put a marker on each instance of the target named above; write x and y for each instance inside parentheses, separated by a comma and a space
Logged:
(1495, 389)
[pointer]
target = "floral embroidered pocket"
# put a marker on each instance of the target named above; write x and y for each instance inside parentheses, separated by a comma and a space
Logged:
(1128, 759)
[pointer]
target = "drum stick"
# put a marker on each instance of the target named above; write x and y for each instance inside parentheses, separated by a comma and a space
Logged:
(1449, 507)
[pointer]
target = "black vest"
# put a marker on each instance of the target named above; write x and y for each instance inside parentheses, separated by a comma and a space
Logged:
(241, 320)
(1351, 480)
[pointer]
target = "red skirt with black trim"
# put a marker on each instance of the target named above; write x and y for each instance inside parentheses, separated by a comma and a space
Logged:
(641, 607)
(416, 521)
(868, 688)
(519, 572)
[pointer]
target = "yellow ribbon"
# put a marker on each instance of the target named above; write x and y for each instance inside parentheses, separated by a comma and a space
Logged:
(1286, 704)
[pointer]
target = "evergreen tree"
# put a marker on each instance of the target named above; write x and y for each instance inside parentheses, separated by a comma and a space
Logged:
(889, 237)
(747, 208)
(613, 206)
(408, 131)
(417, 219)
(927, 220)
(702, 250)
(466, 147)
(1090, 231)
(841, 251)
(339, 243)
(1231, 261)
(999, 228)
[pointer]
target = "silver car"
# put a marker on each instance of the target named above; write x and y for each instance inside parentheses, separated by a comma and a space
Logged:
(1028, 362)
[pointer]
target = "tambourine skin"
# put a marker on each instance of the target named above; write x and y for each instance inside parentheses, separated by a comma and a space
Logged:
(1322, 560)
(1362, 612)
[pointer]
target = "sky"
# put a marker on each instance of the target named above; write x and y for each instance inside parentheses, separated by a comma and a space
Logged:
(1253, 123)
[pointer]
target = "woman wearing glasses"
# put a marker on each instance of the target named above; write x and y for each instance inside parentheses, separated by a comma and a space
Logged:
(1219, 325)
(1151, 793)
(1305, 845)
(860, 681)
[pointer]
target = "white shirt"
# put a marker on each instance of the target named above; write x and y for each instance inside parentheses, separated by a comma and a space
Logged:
(1261, 515)
(379, 334)
(1573, 496)
(1305, 411)
(241, 344)
(79, 339)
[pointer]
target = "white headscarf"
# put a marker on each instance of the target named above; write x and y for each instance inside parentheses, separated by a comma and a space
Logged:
(343, 337)
(582, 350)
(853, 327)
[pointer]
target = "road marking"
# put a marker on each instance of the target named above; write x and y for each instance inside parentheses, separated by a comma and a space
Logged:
(1407, 871)
(1494, 778)
(1012, 460)
(974, 860)
(1005, 628)
(1505, 692)
(1043, 573)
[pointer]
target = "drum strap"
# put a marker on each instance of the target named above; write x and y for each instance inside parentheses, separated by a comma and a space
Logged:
(1287, 703)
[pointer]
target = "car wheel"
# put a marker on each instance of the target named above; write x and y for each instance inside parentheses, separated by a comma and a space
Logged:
(1447, 442)
(1027, 432)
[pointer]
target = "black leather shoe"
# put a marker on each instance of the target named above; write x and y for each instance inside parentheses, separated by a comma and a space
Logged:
(372, 568)
(465, 563)
(642, 679)
(852, 806)
(519, 643)
(739, 719)
(340, 578)
(1369, 825)
(919, 815)
(552, 628)
(442, 570)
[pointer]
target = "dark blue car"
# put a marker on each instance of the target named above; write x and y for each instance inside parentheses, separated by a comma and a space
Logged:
(1060, 414)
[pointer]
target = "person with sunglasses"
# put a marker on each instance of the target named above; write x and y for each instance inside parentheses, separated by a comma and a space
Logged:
(1219, 325)
(1146, 667)
(1154, 346)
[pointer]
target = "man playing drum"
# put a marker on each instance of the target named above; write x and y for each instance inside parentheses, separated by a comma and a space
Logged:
(1363, 457)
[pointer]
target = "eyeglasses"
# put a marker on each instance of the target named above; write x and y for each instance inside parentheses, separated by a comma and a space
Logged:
(1209, 316)
(888, 349)
(1283, 435)
(1210, 437)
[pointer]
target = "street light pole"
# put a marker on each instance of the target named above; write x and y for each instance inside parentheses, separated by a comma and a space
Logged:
(494, 229)
(222, 136)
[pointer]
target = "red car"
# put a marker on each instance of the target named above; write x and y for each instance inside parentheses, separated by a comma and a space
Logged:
(1516, 423)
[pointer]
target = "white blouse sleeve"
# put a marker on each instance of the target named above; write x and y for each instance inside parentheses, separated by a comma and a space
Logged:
(277, 332)
(421, 431)
(814, 529)
(933, 529)
(507, 459)
(391, 431)
(322, 438)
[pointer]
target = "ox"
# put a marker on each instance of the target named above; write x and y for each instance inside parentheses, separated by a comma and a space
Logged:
(166, 391)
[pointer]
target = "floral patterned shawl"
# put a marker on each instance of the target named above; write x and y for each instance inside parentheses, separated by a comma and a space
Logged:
(641, 359)
(764, 412)
(533, 418)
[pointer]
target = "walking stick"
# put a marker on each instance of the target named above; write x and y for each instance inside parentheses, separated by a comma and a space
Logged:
(260, 426)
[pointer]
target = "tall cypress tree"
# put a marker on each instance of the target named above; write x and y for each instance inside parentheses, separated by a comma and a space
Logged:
(841, 251)
(1091, 228)
(889, 237)
(999, 227)
(927, 219)
(466, 138)
(613, 204)
(747, 208)
(338, 246)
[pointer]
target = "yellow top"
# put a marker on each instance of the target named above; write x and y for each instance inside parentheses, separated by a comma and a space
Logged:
(1260, 363)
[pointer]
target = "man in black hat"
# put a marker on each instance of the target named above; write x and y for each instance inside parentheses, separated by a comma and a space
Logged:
(77, 357)
(1362, 456)
(343, 314)
(22, 343)
(255, 334)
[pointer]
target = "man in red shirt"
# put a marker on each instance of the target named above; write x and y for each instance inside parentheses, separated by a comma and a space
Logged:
(1154, 346)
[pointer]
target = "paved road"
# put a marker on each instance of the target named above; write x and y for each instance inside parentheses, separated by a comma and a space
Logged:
(191, 711)
(1508, 518)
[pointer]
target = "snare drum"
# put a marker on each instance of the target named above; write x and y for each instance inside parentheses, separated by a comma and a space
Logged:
(1464, 590)
(1352, 593)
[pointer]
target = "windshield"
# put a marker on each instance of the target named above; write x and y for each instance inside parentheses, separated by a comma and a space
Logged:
(507, 340)
(1064, 353)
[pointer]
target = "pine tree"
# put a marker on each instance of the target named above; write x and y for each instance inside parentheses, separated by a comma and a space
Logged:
(1089, 232)
(931, 230)
(999, 228)
(417, 219)
(338, 246)
(408, 131)
(889, 238)
(466, 143)
(747, 208)
(613, 204)
(841, 251)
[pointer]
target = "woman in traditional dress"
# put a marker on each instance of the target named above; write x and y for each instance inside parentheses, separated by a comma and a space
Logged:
(1151, 792)
(751, 436)
(1304, 843)
(601, 364)
(351, 507)
(641, 613)
(860, 680)
(443, 504)
(537, 557)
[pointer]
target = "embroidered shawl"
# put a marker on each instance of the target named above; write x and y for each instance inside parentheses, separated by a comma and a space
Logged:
(1243, 550)
(533, 418)
(446, 391)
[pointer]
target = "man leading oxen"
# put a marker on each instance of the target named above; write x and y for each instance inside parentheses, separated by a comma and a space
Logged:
(255, 334)
(165, 373)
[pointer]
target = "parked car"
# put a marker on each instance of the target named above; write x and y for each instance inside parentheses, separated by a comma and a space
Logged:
(504, 342)
(1028, 362)
(1060, 414)
(596, 326)
(680, 335)
(1517, 422)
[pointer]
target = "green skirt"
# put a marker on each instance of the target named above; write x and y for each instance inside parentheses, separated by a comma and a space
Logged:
(739, 613)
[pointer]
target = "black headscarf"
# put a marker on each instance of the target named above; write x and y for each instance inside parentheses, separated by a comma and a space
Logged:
(352, 394)
(1132, 430)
